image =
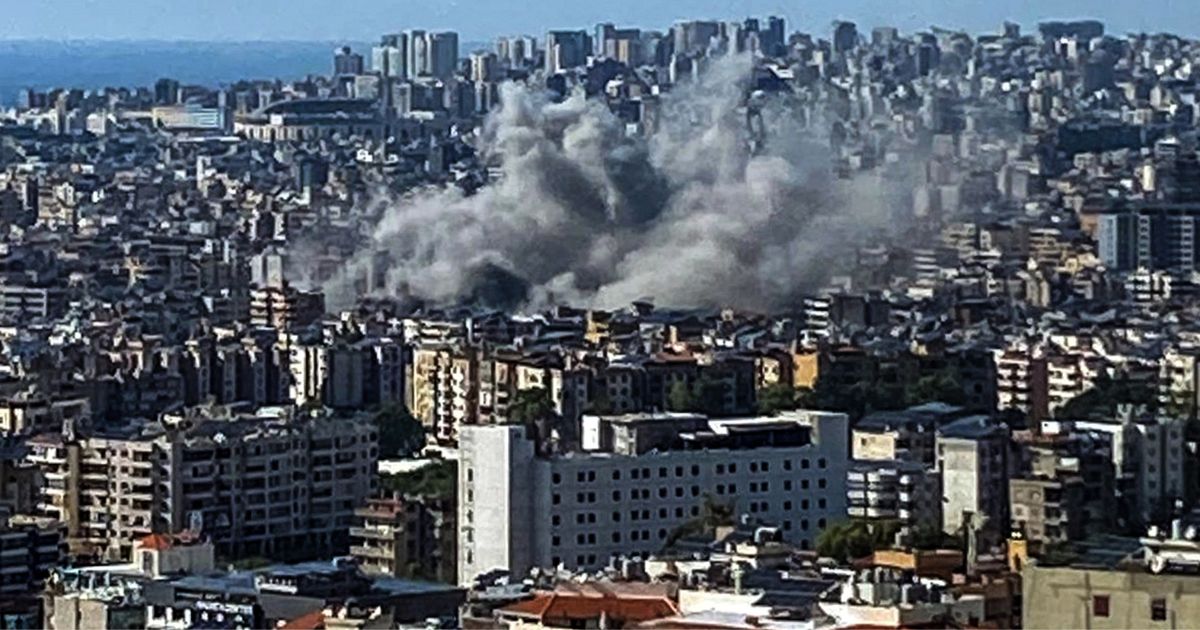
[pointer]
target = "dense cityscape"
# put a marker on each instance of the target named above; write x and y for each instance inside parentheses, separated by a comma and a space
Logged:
(723, 325)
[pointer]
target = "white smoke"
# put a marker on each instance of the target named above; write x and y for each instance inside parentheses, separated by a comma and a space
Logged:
(587, 215)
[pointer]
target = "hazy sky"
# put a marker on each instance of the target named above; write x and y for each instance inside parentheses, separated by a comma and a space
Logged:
(358, 20)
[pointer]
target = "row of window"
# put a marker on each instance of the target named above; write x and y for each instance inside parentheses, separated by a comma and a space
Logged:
(590, 518)
(679, 492)
(590, 539)
(589, 476)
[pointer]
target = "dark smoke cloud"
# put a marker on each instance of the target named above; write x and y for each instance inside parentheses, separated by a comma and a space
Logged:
(585, 214)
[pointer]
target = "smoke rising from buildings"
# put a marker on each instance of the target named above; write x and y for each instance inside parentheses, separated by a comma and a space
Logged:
(587, 215)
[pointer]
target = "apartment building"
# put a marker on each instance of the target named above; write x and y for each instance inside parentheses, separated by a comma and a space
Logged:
(410, 537)
(973, 460)
(285, 308)
(1047, 510)
(638, 478)
(345, 374)
(276, 481)
(1179, 380)
(1148, 455)
(907, 493)
(907, 435)
(452, 386)
(1021, 380)
(30, 547)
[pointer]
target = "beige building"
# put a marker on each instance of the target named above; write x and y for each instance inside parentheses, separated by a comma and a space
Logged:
(266, 483)
(451, 386)
(1099, 598)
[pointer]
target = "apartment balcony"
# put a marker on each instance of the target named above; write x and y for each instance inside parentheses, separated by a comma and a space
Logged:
(371, 552)
(373, 533)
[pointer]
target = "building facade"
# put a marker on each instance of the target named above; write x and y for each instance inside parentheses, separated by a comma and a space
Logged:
(520, 509)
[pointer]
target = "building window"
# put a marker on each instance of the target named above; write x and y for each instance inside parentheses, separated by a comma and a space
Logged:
(1100, 605)
(616, 475)
(1158, 609)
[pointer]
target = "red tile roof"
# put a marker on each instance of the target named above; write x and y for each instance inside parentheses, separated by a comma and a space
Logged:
(314, 620)
(158, 542)
(555, 607)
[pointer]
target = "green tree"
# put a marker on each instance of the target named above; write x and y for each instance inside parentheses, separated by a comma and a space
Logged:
(712, 515)
(848, 540)
(600, 404)
(775, 398)
(941, 386)
(1106, 394)
(436, 480)
(681, 398)
(931, 537)
(400, 434)
(530, 405)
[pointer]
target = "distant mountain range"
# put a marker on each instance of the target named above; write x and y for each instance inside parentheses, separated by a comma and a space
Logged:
(86, 64)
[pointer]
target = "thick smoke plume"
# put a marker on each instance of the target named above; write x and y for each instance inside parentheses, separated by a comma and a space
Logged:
(584, 214)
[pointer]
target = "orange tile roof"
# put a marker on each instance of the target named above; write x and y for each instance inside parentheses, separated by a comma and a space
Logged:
(314, 620)
(556, 607)
(158, 542)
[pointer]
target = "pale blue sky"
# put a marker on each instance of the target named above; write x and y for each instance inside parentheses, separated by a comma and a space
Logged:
(481, 19)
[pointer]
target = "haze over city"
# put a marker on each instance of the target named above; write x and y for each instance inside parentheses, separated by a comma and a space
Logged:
(757, 316)
(480, 20)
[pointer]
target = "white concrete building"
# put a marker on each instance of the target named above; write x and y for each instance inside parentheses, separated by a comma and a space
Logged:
(973, 460)
(639, 478)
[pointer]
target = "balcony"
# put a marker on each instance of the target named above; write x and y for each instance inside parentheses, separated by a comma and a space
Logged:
(374, 533)
(371, 552)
